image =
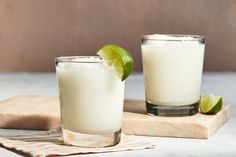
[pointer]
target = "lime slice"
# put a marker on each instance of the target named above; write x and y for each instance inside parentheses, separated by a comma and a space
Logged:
(210, 104)
(119, 58)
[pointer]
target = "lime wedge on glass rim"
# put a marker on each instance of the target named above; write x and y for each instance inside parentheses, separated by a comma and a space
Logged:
(210, 104)
(119, 58)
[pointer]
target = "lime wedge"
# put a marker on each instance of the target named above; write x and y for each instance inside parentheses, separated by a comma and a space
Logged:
(119, 58)
(210, 104)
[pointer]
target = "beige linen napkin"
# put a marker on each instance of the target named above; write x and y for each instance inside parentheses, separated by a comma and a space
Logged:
(50, 144)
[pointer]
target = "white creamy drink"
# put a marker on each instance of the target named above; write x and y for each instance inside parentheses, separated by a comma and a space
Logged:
(172, 68)
(91, 96)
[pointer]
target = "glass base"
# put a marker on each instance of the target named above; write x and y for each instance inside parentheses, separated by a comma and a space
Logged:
(90, 140)
(171, 111)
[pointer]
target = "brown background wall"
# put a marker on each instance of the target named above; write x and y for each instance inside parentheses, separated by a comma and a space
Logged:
(33, 32)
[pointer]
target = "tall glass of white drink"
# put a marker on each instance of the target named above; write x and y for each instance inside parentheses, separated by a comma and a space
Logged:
(172, 66)
(91, 99)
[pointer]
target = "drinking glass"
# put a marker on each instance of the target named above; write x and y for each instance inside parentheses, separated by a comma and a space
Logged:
(172, 66)
(91, 101)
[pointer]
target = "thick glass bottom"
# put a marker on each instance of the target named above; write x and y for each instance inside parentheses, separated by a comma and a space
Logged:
(90, 140)
(171, 111)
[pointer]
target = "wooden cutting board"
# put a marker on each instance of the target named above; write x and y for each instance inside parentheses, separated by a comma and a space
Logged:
(42, 113)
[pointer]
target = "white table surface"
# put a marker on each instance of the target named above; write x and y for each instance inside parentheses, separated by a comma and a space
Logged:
(223, 143)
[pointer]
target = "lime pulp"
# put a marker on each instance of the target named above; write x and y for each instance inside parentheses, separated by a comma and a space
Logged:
(119, 58)
(210, 104)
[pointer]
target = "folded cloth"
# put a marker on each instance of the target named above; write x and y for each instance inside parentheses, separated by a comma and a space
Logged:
(50, 144)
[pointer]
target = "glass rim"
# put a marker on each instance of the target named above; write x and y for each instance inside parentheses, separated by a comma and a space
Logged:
(195, 37)
(77, 59)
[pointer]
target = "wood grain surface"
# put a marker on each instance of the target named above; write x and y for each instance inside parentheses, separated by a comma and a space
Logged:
(43, 113)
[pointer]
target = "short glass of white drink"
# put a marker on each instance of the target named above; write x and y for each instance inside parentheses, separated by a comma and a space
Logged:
(172, 66)
(91, 99)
